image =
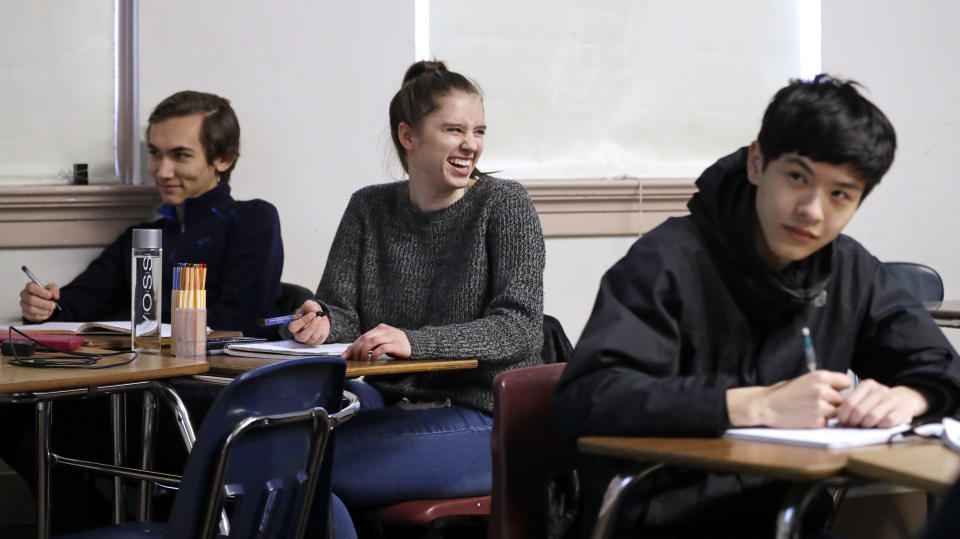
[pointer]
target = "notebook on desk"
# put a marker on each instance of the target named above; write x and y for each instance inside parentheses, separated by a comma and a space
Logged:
(113, 327)
(285, 349)
(831, 437)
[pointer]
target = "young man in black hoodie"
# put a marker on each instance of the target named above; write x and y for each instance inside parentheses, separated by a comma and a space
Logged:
(698, 328)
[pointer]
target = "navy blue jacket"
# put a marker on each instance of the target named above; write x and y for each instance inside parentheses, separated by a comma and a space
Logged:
(239, 241)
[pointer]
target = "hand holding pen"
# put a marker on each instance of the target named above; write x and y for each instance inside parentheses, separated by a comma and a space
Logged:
(311, 324)
(38, 301)
(285, 319)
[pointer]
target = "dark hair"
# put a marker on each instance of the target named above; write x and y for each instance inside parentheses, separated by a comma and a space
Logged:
(423, 84)
(220, 130)
(827, 120)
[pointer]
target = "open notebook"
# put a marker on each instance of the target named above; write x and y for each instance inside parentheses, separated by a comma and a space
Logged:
(113, 327)
(288, 348)
(831, 437)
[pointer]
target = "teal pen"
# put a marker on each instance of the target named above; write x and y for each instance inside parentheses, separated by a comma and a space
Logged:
(808, 350)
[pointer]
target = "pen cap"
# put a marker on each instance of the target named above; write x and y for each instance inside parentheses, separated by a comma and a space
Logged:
(147, 238)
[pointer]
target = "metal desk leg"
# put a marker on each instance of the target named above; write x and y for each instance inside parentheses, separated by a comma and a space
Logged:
(180, 413)
(616, 490)
(146, 451)
(790, 519)
(182, 417)
(43, 409)
(117, 420)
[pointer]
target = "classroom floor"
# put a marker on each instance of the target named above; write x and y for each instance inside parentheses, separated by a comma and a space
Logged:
(465, 531)
(17, 516)
(16, 506)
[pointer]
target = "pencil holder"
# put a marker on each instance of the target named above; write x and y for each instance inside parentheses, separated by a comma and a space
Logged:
(189, 333)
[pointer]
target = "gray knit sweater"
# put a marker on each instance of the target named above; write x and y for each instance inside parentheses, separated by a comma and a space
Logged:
(465, 281)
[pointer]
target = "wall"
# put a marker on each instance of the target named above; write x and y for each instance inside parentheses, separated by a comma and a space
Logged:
(903, 53)
(311, 82)
(56, 100)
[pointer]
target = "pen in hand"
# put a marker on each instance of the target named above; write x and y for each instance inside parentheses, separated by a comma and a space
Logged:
(36, 281)
(286, 319)
(808, 350)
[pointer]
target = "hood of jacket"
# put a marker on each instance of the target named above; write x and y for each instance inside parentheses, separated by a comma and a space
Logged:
(724, 210)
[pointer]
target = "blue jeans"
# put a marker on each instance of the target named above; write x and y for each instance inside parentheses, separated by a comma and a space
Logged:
(386, 454)
(342, 524)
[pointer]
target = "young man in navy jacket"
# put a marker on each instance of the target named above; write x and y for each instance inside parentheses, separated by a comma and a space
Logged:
(194, 142)
(698, 328)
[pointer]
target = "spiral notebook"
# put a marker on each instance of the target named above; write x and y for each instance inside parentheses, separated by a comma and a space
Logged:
(831, 437)
(288, 348)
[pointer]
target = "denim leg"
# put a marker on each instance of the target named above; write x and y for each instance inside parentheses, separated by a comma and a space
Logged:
(370, 397)
(388, 455)
(342, 523)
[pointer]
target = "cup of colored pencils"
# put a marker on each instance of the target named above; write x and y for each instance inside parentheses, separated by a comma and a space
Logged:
(188, 307)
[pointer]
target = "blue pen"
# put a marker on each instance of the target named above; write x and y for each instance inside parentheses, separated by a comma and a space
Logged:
(36, 281)
(280, 320)
(808, 350)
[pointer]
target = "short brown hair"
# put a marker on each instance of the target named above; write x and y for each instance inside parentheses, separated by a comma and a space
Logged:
(423, 84)
(220, 130)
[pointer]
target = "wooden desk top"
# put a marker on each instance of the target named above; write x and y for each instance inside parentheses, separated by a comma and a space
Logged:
(16, 379)
(929, 466)
(778, 461)
(233, 365)
(227, 364)
(122, 342)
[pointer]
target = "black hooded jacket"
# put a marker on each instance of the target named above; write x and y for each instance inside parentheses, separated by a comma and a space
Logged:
(691, 311)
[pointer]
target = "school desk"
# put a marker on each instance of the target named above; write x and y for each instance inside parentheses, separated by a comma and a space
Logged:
(230, 365)
(928, 466)
(807, 468)
(233, 365)
(42, 386)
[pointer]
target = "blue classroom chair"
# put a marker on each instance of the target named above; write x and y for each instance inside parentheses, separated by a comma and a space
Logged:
(923, 282)
(262, 452)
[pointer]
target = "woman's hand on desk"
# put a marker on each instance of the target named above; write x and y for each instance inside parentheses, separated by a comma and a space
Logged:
(380, 340)
(36, 303)
(310, 329)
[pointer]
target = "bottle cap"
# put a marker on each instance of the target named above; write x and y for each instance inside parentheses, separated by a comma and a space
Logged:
(147, 238)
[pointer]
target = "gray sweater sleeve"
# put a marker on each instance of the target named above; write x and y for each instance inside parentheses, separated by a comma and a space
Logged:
(514, 314)
(341, 276)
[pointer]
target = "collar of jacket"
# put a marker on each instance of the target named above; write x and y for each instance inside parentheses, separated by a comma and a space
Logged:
(193, 208)
(724, 210)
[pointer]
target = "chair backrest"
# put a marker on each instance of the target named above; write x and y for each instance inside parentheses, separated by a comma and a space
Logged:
(526, 449)
(268, 470)
(923, 282)
(556, 345)
(291, 298)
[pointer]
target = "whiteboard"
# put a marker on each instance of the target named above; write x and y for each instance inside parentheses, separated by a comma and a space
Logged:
(643, 88)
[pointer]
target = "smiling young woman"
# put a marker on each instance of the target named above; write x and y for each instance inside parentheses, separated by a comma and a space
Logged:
(447, 264)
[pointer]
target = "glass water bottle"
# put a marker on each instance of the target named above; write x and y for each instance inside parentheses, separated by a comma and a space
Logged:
(146, 284)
